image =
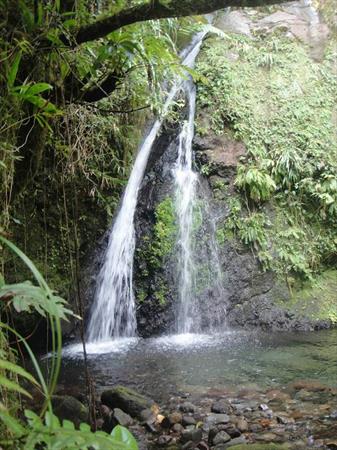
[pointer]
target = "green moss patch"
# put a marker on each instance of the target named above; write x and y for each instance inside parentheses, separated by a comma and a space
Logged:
(316, 300)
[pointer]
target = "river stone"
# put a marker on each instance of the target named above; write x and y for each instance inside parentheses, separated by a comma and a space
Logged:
(67, 407)
(221, 438)
(234, 442)
(190, 445)
(177, 428)
(147, 415)
(175, 417)
(254, 447)
(221, 407)
(215, 419)
(266, 437)
(187, 407)
(285, 420)
(234, 22)
(202, 446)
(188, 420)
(242, 425)
(122, 418)
(163, 440)
(194, 435)
(231, 430)
(126, 399)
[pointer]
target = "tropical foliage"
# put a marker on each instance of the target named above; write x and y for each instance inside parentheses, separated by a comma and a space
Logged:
(44, 429)
(269, 93)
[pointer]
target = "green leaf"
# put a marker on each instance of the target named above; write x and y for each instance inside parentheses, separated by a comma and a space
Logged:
(85, 427)
(124, 436)
(12, 386)
(6, 365)
(14, 70)
(13, 425)
(37, 88)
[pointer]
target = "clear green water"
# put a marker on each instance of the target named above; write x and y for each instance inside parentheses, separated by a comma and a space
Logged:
(163, 366)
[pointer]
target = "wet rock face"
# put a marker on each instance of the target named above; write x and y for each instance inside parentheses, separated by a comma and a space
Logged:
(154, 275)
(250, 293)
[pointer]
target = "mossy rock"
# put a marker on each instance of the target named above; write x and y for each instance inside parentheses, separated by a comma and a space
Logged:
(127, 400)
(316, 300)
(67, 407)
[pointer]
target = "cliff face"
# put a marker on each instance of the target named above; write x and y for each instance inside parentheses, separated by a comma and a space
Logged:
(264, 143)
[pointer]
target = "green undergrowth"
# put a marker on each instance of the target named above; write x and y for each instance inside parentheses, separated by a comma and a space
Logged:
(270, 94)
(71, 202)
(316, 300)
(160, 246)
(155, 250)
(164, 230)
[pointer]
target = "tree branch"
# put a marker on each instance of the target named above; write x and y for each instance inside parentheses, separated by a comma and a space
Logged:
(156, 10)
(101, 91)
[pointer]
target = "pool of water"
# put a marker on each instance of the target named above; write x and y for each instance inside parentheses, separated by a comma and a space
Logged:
(164, 366)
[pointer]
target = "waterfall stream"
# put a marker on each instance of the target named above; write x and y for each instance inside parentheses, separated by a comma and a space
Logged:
(113, 310)
(195, 251)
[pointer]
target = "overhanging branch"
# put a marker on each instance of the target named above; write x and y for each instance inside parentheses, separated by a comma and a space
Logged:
(155, 10)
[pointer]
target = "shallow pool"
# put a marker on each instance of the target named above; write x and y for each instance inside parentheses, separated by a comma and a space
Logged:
(161, 367)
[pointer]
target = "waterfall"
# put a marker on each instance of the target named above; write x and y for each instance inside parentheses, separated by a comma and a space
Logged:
(191, 206)
(113, 311)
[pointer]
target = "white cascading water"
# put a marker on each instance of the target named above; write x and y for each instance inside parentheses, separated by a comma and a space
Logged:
(185, 183)
(190, 205)
(113, 312)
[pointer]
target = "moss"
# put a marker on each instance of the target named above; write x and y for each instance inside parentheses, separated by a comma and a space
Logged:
(141, 295)
(160, 246)
(161, 292)
(316, 299)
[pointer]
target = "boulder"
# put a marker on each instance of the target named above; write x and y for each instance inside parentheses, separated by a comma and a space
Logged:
(127, 400)
(66, 407)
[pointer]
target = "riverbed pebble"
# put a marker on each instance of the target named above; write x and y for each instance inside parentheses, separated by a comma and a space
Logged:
(299, 416)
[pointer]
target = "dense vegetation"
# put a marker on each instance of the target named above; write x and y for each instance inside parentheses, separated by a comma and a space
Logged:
(269, 93)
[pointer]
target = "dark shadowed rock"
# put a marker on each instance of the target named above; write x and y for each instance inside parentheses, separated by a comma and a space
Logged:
(194, 435)
(69, 408)
(126, 399)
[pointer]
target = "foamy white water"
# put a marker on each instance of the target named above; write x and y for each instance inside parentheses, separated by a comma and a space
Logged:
(119, 345)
